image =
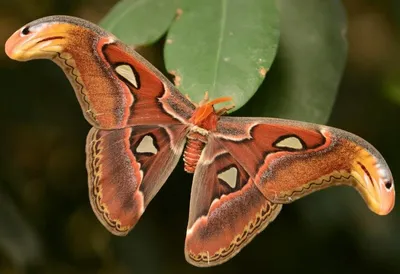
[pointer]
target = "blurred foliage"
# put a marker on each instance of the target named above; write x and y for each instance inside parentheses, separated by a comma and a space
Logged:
(48, 226)
(392, 87)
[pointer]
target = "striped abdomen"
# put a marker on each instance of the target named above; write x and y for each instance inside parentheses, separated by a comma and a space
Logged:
(194, 147)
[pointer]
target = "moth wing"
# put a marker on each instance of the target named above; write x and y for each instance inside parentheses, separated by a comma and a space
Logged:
(226, 209)
(288, 159)
(126, 168)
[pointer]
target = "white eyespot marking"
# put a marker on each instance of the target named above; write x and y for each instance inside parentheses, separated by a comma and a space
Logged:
(147, 145)
(290, 142)
(229, 176)
(127, 72)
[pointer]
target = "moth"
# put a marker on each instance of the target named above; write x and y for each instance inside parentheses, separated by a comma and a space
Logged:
(244, 169)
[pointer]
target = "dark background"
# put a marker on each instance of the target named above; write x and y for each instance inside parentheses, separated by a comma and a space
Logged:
(46, 222)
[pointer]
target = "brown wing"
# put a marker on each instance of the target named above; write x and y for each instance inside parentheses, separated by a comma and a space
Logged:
(288, 160)
(126, 168)
(115, 86)
(226, 209)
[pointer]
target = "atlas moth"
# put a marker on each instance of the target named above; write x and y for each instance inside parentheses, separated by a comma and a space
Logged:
(244, 169)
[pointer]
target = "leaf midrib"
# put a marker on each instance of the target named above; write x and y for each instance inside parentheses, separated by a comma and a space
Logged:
(220, 41)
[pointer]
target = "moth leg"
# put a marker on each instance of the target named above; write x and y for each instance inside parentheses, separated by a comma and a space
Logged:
(225, 110)
(205, 99)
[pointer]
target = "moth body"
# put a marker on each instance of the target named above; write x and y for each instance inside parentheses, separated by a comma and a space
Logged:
(194, 146)
(203, 121)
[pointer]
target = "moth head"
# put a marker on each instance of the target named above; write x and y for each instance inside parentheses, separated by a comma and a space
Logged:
(44, 38)
(205, 115)
(375, 182)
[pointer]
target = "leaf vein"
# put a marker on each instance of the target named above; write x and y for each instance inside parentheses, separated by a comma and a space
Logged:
(220, 41)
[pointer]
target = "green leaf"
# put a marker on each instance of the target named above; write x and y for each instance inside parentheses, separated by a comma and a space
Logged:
(223, 47)
(140, 22)
(304, 80)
